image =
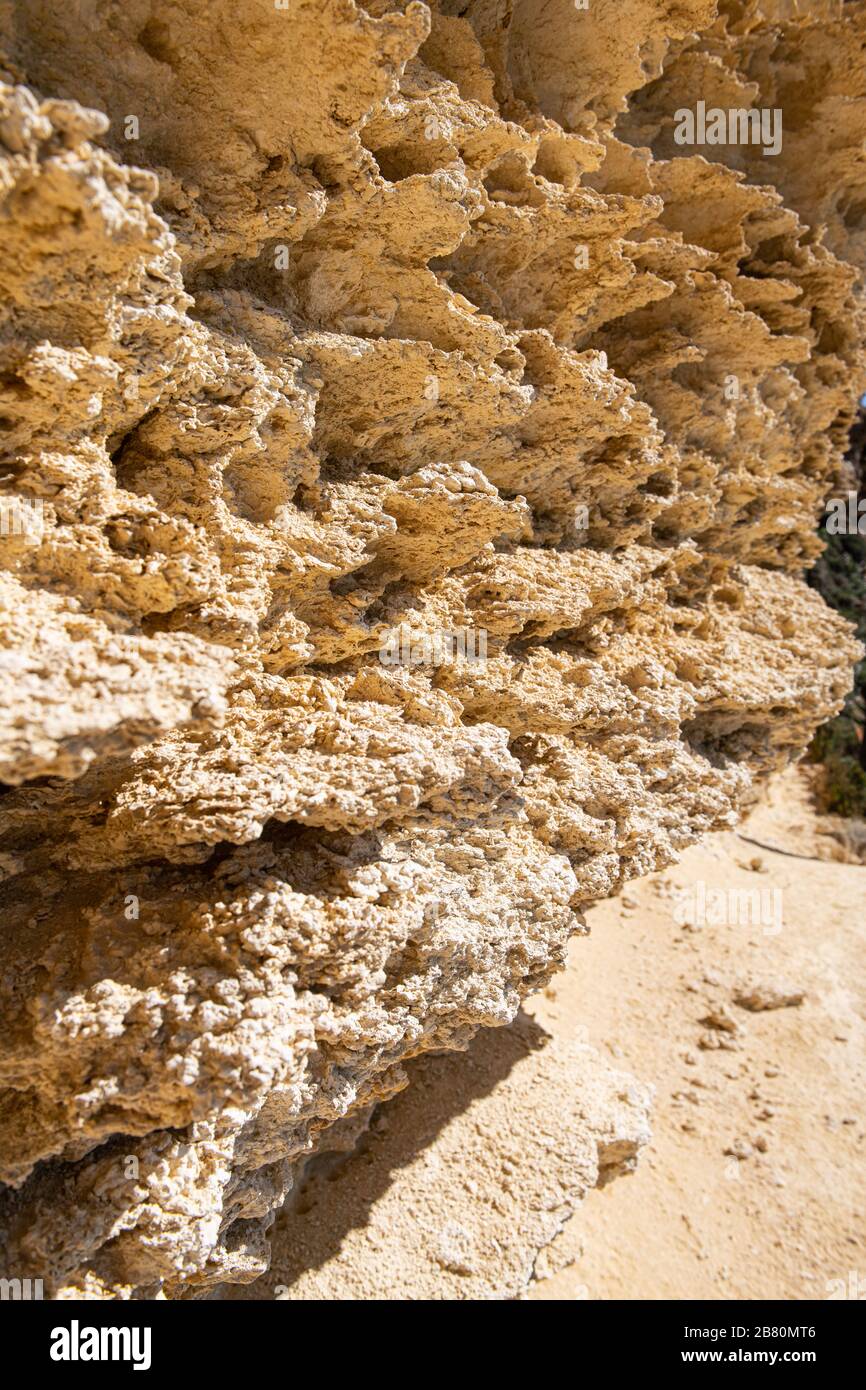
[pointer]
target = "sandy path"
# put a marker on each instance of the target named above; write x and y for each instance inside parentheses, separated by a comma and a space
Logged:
(753, 1185)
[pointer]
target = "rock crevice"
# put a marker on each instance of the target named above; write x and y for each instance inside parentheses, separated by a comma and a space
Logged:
(322, 323)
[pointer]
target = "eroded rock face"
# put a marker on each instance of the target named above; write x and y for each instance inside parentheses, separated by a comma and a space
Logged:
(460, 1187)
(325, 324)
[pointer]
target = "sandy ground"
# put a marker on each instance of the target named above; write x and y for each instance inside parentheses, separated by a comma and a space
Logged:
(753, 1184)
(461, 1183)
(734, 983)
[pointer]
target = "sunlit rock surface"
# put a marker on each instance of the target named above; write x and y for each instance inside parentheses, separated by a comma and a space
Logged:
(323, 323)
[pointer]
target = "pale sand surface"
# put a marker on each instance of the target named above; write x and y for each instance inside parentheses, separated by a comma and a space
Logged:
(752, 1184)
(786, 1218)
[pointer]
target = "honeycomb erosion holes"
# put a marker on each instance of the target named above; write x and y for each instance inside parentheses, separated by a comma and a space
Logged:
(320, 321)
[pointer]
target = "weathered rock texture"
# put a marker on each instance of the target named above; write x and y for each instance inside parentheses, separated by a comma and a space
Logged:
(322, 320)
(462, 1183)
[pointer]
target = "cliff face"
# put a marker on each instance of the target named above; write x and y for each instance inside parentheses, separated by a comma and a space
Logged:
(323, 325)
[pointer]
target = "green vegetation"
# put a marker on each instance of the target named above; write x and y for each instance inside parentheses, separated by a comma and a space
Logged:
(840, 576)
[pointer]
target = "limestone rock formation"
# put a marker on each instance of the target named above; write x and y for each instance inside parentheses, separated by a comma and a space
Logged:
(463, 1182)
(324, 324)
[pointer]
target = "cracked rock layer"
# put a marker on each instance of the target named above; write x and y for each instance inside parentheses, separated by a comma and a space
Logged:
(323, 322)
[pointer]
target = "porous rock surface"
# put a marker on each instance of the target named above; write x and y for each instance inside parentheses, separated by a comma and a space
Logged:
(321, 321)
(462, 1184)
